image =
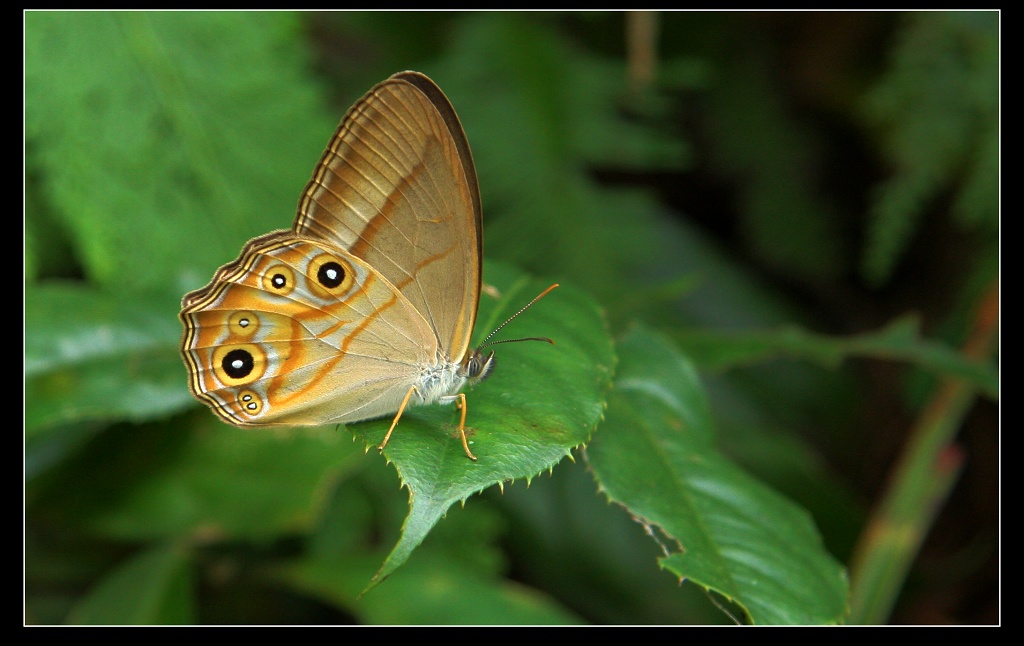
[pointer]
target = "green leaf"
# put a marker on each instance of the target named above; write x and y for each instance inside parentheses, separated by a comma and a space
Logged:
(433, 589)
(900, 340)
(97, 355)
(206, 479)
(457, 576)
(152, 587)
(565, 538)
(143, 128)
(936, 114)
(531, 104)
(464, 597)
(773, 160)
(719, 527)
(439, 586)
(540, 402)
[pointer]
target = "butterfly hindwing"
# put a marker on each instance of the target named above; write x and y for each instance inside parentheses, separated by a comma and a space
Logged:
(297, 332)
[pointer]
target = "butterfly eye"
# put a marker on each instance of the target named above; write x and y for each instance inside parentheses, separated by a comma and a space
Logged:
(279, 279)
(239, 364)
(476, 367)
(330, 276)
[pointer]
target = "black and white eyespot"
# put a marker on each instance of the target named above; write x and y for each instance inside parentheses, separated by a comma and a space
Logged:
(279, 279)
(243, 323)
(330, 276)
(239, 364)
(249, 402)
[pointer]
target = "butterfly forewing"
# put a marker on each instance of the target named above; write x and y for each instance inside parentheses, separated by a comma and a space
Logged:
(396, 187)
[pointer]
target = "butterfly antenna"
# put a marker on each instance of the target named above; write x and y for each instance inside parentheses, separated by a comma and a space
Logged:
(536, 298)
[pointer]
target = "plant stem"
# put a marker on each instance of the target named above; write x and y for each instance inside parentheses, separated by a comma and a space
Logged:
(919, 485)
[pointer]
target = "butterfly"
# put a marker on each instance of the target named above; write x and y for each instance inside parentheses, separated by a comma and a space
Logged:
(367, 304)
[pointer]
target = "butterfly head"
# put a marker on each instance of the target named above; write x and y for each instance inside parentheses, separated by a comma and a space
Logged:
(477, 366)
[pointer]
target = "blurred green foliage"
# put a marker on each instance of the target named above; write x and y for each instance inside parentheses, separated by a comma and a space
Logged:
(789, 231)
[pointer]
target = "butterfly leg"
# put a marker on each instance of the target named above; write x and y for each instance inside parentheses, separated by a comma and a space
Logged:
(460, 403)
(398, 416)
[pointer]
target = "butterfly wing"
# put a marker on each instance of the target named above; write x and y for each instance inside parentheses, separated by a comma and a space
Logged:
(375, 286)
(297, 332)
(397, 188)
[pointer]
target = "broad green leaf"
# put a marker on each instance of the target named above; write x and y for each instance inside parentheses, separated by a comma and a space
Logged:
(163, 140)
(540, 402)
(205, 479)
(435, 588)
(152, 587)
(719, 527)
(899, 341)
(565, 537)
(458, 575)
(100, 355)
